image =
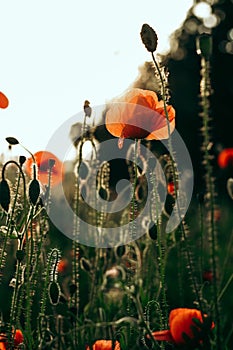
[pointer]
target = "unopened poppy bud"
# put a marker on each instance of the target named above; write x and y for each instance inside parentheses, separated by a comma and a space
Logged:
(83, 170)
(120, 251)
(153, 232)
(103, 193)
(5, 195)
(72, 289)
(54, 293)
(87, 108)
(204, 46)
(22, 160)
(34, 191)
(85, 264)
(149, 38)
(12, 141)
(20, 254)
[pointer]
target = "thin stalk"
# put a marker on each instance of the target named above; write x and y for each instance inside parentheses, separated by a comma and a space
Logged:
(161, 256)
(205, 93)
(170, 148)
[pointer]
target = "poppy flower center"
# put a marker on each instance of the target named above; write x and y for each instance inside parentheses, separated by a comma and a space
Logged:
(132, 131)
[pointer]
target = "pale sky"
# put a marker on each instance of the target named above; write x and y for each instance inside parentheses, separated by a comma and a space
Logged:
(55, 54)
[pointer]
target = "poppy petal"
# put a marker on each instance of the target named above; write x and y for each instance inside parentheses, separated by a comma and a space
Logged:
(162, 133)
(139, 114)
(163, 335)
(43, 160)
(4, 102)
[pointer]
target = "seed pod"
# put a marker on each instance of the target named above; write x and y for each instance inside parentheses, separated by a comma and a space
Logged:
(72, 289)
(34, 191)
(85, 264)
(204, 46)
(12, 141)
(153, 233)
(22, 160)
(149, 38)
(54, 292)
(5, 195)
(83, 170)
(120, 251)
(20, 254)
(103, 193)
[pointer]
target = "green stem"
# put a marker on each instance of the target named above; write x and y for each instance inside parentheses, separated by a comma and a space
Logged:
(170, 148)
(205, 92)
(225, 288)
(142, 320)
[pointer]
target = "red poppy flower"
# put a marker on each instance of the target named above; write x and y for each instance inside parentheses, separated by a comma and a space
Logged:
(2, 341)
(4, 102)
(171, 188)
(104, 345)
(139, 115)
(225, 158)
(18, 339)
(45, 161)
(180, 321)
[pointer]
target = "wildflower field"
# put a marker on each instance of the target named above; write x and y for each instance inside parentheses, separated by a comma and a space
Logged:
(130, 247)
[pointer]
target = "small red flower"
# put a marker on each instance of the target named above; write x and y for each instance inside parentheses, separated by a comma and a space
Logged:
(225, 158)
(180, 321)
(171, 188)
(45, 161)
(3, 339)
(104, 345)
(139, 115)
(62, 266)
(18, 337)
(4, 102)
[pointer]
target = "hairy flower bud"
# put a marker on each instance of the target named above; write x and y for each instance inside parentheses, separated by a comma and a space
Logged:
(5, 195)
(149, 38)
(54, 292)
(34, 191)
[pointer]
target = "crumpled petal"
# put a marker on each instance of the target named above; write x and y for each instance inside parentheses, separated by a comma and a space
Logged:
(138, 114)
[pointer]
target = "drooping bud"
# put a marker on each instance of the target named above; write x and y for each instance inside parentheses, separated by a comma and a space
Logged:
(152, 231)
(54, 292)
(103, 193)
(120, 251)
(149, 38)
(72, 288)
(85, 264)
(5, 195)
(12, 141)
(22, 160)
(204, 46)
(34, 191)
(20, 254)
